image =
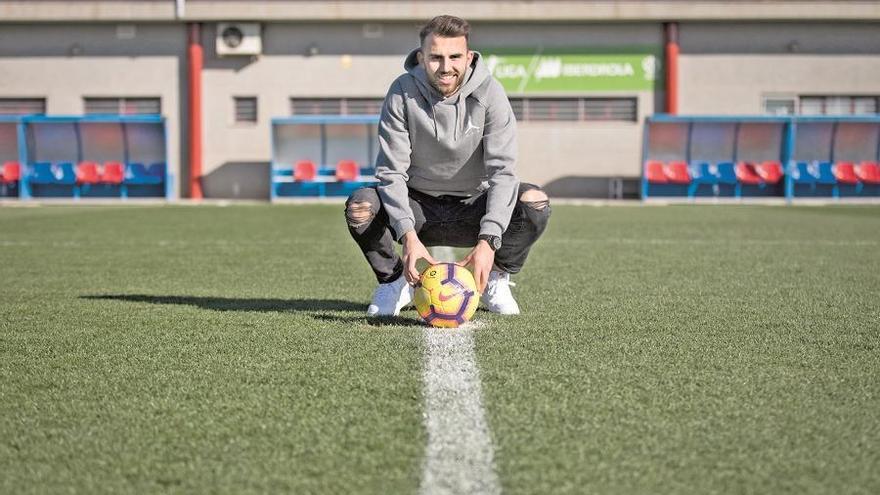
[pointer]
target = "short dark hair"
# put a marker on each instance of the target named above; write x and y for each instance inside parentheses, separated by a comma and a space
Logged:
(445, 26)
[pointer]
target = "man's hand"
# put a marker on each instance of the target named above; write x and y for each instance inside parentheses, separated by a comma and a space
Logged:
(413, 251)
(481, 257)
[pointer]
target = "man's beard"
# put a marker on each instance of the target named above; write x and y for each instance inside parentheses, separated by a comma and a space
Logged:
(453, 89)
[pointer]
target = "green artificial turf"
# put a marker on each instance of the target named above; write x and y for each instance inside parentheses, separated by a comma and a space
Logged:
(681, 349)
(199, 350)
(692, 350)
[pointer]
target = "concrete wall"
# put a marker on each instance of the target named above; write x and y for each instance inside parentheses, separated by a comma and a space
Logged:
(729, 69)
(65, 63)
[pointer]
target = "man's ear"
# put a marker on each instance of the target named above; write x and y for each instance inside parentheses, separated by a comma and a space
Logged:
(470, 57)
(421, 58)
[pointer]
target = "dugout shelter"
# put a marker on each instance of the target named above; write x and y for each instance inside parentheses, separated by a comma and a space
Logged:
(747, 157)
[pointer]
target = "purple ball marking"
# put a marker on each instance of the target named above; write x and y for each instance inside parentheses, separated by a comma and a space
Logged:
(450, 273)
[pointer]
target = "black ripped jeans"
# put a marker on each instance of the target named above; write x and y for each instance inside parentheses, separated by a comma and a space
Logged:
(444, 221)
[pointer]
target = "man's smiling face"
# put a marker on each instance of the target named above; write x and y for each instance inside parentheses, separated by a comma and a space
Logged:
(445, 60)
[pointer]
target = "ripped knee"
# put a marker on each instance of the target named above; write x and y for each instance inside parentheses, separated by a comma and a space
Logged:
(358, 213)
(535, 199)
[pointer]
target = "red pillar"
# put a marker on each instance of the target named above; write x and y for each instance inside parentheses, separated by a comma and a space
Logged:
(671, 32)
(196, 59)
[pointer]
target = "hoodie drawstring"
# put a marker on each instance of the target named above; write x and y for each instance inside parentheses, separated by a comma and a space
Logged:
(434, 120)
(457, 125)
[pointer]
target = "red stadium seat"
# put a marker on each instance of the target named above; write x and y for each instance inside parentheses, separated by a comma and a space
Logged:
(113, 173)
(87, 173)
(868, 172)
(845, 173)
(677, 173)
(770, 171)
(745, 174)
(654, 172)
(11, 172)
(304, 171)
(347, 171)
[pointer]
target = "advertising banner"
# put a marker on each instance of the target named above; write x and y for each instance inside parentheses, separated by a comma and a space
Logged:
(575, 72)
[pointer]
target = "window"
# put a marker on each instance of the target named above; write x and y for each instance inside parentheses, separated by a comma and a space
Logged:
(22, 106)
(575, 109)
(363, 106)
(245, 109)
(865, 105)
(335, 106)
(838, 105)
(123, 106)
(822, 105)
(780, 106)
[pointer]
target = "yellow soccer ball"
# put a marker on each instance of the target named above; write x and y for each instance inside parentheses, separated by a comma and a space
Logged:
(446, 295)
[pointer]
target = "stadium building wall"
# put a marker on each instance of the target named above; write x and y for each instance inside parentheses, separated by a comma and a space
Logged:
(65, 63)
(729, 69)
(726, 68)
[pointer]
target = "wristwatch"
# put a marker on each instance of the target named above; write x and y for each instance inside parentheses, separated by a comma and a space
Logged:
(493, 240)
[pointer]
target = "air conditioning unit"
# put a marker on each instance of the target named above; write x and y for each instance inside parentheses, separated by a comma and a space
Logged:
(238, 38)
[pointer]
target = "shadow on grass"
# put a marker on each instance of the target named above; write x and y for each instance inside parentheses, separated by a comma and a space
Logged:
(376, 321)
(318, 306)
(239, 304)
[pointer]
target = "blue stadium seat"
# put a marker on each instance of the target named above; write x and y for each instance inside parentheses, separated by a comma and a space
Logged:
(804, 173)
(53, 173)
(704, 179)
(703, 173)
(158, 170)
(825, 173)
(814, 179)
(139, 174)
(726, 172)
(39, 173)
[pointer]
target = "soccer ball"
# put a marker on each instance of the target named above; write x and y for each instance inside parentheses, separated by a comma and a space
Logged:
(446, 295)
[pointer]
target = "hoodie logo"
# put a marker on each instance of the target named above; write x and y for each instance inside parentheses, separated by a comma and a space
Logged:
(470, 126)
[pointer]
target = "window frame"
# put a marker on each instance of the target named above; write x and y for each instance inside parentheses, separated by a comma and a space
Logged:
(23, 103)
(121, 102)
(340, 103)
(522, 106)
(823, 102)
(236, 115)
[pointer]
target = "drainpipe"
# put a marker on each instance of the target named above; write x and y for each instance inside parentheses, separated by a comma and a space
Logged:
(195, 111)
(671, 34)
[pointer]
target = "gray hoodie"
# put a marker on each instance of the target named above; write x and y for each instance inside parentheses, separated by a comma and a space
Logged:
(462, 145)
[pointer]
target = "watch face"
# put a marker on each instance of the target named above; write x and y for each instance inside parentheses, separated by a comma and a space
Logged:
(493, 240)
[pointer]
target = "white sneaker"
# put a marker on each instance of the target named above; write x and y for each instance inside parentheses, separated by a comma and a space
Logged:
(390, 298)
(497, 297)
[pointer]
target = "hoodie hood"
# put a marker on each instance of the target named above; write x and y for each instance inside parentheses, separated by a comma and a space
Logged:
(476, 73)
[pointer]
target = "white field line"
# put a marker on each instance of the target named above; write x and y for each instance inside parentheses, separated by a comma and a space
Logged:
(442, 253)
(459, 456)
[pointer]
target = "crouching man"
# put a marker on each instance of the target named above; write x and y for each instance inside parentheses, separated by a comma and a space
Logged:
(446, 170)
